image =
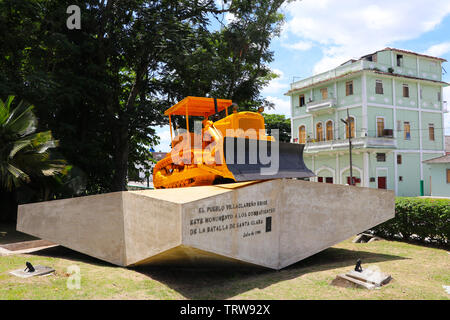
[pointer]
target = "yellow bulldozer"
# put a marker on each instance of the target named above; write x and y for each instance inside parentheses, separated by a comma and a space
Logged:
(231, 149)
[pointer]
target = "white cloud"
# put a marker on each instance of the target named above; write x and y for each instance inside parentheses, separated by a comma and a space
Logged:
(229, 17)
(276, 85)
(438, 50)
(301, 45)
(349, 29)
(282, 106)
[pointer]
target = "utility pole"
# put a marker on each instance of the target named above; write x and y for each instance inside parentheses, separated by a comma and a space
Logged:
(349, 134)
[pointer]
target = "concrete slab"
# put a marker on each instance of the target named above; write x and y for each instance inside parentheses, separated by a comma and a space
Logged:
(375, 277)
(345, 281)
(369, 278)
(271, 223)
(39, 271)
(24, 245)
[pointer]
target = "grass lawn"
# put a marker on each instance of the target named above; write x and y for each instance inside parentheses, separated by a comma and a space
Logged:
(418, 271)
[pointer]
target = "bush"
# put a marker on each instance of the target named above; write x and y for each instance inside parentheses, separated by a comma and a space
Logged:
(423, 219)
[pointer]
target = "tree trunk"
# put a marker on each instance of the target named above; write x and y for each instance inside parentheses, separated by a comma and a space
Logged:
(121, 150)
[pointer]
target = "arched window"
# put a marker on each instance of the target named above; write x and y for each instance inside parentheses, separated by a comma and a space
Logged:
(352, 128)
(302, 134)
(319, 131)
(329, 127)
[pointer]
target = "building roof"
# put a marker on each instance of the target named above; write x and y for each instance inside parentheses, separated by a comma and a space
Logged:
(197, 106)
(374, 70)
(359, 71)
(411, 52)
(158, 155)
(442, 159)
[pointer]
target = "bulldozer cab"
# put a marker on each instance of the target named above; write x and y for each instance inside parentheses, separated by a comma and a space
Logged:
(196, 107)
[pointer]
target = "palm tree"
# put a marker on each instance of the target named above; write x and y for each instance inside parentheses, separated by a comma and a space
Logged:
(24, 154)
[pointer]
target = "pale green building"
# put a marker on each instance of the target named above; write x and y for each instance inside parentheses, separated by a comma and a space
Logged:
(394, 99)
(439, 173)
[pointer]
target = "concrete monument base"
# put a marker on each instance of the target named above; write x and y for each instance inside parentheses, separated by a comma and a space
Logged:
(272, 223)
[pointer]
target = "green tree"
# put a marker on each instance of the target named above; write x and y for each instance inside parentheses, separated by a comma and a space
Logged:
(278, 121)
(231, 62)
(24, 153)
(101, 90)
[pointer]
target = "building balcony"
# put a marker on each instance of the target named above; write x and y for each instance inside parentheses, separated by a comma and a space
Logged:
(321, 106)
(360, 65)
(357, 143)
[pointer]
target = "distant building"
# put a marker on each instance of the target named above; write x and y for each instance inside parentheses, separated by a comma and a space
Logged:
(439, 172)
(146, 176)
(394, 99)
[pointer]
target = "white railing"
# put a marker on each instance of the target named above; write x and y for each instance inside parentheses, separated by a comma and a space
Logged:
(363, 142)
(360, 65)
(356, 66)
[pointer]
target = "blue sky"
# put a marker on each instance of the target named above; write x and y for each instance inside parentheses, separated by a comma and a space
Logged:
(319, 35)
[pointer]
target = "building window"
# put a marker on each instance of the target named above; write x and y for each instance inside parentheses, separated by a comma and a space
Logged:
(329, 126)
(355, 180)
(407, 130)
(448, 175)
(439, 96)
(431, 131)
(405, 91)
(381, 157)
(379, 87)
(319, 179)
(351, 120)
(380, 126)
(324, 92)
(319, 131)
(349, 88)
(302, 100)
(400, 178)
(399, 159)
(399, 60)
(420, 92)
(302, 134)
(328, 179)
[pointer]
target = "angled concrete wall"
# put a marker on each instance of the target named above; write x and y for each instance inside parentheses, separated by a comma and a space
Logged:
(92, 225)
(271, 223)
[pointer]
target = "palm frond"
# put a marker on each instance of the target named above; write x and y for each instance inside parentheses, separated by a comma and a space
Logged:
(21, 120)
(17, 173)
(24, 155)
(19, 145)
(9, 101)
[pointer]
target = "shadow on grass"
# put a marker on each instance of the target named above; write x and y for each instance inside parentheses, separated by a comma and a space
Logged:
(226, 282)
(61, 252)
(9, 234)
(223, 283)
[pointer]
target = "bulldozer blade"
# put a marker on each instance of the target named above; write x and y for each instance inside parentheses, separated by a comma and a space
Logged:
(247, 159)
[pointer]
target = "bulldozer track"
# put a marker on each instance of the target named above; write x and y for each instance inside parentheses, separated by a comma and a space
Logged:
(168, 169)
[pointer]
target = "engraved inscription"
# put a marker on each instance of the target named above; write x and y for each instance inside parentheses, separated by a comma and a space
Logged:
(250, 218)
